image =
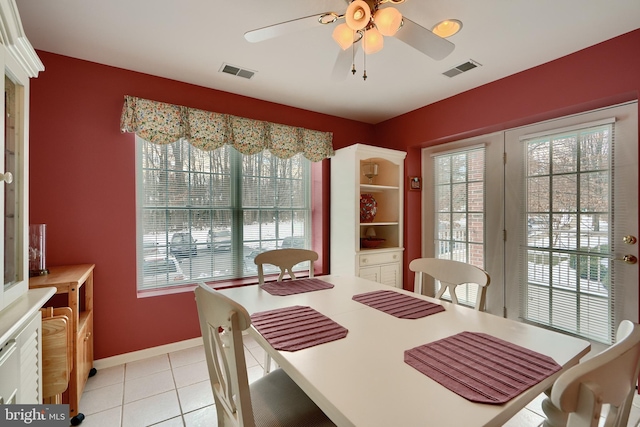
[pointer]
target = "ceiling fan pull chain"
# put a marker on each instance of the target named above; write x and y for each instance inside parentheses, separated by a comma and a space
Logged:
(353, 55)
(364, 55)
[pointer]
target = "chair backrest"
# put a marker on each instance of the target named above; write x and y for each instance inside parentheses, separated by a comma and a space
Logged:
(225, 355)
(609, 377)
(285, 259)
(451, 274)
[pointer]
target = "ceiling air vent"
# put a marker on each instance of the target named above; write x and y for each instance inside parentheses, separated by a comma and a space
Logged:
(469, 65)
(236, 71)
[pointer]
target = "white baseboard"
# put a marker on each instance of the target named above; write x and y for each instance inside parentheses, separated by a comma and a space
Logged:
(121, 359)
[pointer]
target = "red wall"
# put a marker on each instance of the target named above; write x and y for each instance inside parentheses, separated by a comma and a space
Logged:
(82, 185)
(602, 75)
(82, 168)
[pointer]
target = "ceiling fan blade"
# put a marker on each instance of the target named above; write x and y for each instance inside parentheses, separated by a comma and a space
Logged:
(424, 40)
(342, 66)
(281, 29)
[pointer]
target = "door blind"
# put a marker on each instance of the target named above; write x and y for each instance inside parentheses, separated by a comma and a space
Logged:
(566, 262)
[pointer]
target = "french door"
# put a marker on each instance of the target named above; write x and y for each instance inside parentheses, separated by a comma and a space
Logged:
(560, 219)
(571, 199)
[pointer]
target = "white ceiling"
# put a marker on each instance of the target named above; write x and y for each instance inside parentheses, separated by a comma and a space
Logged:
(189, 40)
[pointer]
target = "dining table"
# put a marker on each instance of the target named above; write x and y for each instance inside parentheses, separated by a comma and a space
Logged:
(362, 379)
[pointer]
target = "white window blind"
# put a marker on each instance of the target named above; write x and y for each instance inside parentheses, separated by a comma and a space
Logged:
(459, 180)
(567, 280)
(205, 215)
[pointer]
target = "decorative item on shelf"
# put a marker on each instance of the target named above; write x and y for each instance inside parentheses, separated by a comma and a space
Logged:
(371, 241)
(370, 170)
(37, 250)
(368, 207)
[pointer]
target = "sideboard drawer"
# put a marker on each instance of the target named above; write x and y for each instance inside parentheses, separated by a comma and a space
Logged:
(380, 258)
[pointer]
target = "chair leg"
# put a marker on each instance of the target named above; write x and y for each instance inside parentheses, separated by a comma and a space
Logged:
(267, 363)
(417, 283)
(622, 418)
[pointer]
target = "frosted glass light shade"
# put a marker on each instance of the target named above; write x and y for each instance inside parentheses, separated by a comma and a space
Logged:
(357, 15)
(343, 35)
(388, 20)
(447, 28)
(373, 41)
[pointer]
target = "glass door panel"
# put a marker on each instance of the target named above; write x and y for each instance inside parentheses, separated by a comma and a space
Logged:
(12, 232)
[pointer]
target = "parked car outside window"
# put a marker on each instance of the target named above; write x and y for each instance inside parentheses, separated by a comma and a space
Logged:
(183, 245)
(219, 240)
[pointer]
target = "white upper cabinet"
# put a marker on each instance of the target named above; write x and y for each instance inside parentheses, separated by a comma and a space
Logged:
(20, 63)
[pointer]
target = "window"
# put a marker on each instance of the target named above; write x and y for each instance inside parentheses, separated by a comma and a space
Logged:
(207, 214)
(459, 211)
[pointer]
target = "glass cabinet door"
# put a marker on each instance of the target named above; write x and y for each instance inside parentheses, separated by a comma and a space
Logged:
(13, 190)
(12, 238)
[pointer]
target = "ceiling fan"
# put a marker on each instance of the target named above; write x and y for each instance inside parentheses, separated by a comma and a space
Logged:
(366, 22)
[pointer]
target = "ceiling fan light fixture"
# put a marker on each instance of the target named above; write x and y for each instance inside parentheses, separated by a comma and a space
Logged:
(358, 15)
(373, 41)
(388, 21)
(343, 35)
(447, 28)
(328, 18)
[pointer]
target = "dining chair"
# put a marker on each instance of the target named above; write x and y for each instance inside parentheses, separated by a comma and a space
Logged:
(285, 259)
(274, 400)
(609, 377)
(451, 274)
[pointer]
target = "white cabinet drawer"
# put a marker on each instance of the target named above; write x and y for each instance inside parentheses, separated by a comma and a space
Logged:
(380, 258)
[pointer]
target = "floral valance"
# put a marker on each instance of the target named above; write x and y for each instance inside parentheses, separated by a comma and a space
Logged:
(163, 123)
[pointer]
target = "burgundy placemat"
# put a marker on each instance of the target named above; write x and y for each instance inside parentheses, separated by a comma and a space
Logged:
(480, 367)
(398, 305)
(291, 287)
(297, 327)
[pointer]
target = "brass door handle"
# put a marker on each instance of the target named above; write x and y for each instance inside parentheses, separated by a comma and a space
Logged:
(629, 259)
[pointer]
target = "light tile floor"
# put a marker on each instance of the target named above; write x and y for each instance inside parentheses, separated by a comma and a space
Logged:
(173, 390)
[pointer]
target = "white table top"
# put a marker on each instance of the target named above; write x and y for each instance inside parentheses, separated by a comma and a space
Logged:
(362, 380)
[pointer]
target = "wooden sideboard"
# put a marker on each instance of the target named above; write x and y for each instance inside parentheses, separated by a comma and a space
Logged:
(76, 281)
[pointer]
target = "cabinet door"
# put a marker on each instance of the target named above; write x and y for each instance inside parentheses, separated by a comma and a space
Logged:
(84, 355)
(9, 365)
(390, 275)
(13, 185)
(370, 273)
(29, 346)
